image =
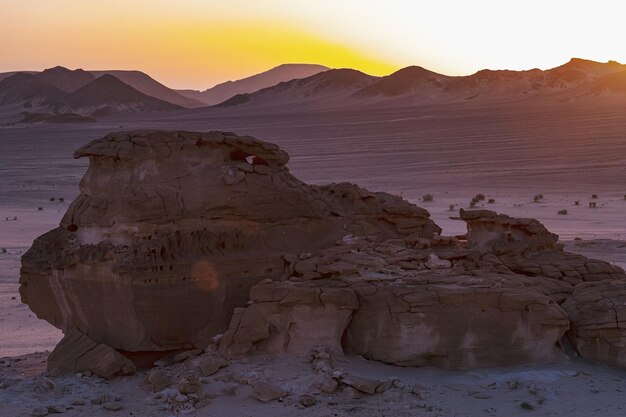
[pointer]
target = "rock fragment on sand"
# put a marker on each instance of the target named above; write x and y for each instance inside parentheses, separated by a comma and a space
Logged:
(39, 412)
(76, 352)
(266, 392)
(112, 406)
(307, 400)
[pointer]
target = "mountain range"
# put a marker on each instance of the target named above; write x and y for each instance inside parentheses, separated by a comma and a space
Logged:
(91, 94)
(576, 79)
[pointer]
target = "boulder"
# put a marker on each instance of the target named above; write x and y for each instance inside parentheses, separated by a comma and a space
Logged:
(78, 353)
(597, 311)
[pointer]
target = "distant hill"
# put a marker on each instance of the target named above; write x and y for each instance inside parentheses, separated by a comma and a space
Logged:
(108, 94)
(325, 86)
(281, 73)
(409, 80)
(59, 90)
(416, 85)
(29, 90)
(4, 75)
(148, 85)
(65, 79)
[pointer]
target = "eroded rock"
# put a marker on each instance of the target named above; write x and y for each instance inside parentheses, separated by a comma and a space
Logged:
(598, 314)
(78, 353)
(172, 229)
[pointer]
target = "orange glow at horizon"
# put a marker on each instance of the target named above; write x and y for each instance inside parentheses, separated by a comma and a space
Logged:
(180, 53)
(198, 43)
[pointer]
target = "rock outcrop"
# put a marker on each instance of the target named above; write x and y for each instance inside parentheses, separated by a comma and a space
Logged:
(597, 311)
(178, 236)
(172, 229)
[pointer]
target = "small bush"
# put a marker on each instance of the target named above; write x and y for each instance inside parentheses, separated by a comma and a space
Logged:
(577, 203)
(537, 198)
(427, 197)
(61, 199)
(3, 250)
(473, 203)
(52, 199)
(624, 196)
(563, 211)
(491, 200)
(594, 196)
(527, 406)
(479, 197)
(39, 208)
(593, 204)
(451, 207)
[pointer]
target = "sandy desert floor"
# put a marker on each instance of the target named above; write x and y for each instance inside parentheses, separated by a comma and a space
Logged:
(566, 154)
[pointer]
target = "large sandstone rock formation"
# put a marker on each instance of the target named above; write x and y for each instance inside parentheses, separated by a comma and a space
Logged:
(171, 229)
(178, 236)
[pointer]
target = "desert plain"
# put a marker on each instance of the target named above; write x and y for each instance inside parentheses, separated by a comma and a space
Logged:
(510, 150)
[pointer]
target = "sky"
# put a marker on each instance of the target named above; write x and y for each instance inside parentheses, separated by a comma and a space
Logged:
(199, 43)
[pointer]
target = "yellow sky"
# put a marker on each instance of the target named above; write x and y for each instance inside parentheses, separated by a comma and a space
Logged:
(197, 43)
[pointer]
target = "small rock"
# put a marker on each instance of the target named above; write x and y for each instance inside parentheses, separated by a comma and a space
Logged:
(211, 364)
(418, 391)
(112, 406)
(56, 409)
(392, 396)
(266, 392)
(351, 392)
(366, 385)
(159, 380)
(308, 400)
(39, 411)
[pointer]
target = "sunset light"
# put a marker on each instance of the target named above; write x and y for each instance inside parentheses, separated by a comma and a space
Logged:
(199, 43)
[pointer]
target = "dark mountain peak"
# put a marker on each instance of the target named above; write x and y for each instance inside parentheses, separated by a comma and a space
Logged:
(111, 91)
(23, 87)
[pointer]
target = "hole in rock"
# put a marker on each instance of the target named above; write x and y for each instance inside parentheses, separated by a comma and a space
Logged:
(239, 155)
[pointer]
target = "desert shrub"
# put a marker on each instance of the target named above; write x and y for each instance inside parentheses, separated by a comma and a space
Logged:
(577, 203)
(562, 211)
(39, 208)
(491, 200)
(3, 250)
(593, 204)
(527, 406)
(624, 196)
(472, 203)
(594, 196)
(61, 199)
(537, 198)
(52, 199)
(427, 197)
(479, 197)
(451, 207)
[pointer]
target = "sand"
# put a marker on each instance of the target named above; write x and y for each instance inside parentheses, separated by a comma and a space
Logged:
(507, 152)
